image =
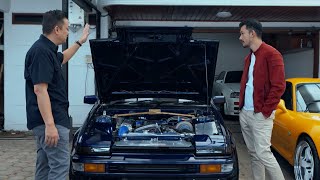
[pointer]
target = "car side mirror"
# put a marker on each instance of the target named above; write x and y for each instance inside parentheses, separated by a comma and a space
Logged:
(282, 106)
(219, 81)
(218, 100)
(91, 99)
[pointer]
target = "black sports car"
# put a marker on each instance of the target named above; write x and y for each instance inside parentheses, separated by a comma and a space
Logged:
(154, 116)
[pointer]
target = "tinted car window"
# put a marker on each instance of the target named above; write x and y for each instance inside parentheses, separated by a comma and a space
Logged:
(308, 97)
(233, 77)
(287, 96)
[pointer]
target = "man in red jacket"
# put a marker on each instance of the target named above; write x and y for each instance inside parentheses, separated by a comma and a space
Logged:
(262, 85)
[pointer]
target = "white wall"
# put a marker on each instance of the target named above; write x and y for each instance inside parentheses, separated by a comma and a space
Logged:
(81, 74)
(81, 79)
(231, 53)
(18, 39)
(299, 64)
(4, 5)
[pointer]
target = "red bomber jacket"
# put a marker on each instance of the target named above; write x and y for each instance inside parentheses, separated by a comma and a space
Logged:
(268, 79)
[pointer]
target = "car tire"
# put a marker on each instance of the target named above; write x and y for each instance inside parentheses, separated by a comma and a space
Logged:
(237, 171)
(306, 160)
(221, 109)
(71, 176)
(1, 121)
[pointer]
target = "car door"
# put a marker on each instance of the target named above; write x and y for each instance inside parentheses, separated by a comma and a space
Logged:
(284, 123)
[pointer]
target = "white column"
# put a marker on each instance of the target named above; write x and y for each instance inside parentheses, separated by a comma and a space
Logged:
(105, 20)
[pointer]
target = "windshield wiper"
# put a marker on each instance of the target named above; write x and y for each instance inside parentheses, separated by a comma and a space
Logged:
(156, 102)
(163, 92)
(153, 92)
(308, 105)
(146, 92)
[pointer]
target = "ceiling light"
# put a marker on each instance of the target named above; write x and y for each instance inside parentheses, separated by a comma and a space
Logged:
(224, 14)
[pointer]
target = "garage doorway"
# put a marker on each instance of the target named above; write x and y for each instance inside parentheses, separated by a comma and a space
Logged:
(1, 71)
(299, 47)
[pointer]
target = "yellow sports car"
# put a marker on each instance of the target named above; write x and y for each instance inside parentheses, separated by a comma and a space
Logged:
(296, 131)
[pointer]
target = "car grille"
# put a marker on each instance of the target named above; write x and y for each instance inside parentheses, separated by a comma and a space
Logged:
(152, 168)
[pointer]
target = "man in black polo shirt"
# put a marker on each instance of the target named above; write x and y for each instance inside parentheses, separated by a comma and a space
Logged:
(46, 97)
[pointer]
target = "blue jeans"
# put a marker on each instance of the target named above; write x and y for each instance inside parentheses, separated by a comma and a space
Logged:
(52, 162)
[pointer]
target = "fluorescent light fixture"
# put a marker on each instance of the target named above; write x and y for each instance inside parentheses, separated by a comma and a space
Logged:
(224, 14)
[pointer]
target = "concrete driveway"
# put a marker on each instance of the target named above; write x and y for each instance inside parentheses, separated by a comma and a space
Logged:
(17, 157)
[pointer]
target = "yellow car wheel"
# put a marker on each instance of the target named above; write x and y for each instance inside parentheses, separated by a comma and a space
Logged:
(306, 161)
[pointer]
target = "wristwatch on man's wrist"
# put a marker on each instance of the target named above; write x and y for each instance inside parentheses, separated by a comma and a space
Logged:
(78, 43)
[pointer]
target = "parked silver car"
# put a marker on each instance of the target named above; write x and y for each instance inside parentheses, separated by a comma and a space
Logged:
(227, 84)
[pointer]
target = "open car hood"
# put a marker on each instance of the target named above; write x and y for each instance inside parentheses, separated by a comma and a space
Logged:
(154, 69)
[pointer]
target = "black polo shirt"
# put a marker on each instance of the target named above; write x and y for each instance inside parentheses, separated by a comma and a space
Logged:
(43, 65)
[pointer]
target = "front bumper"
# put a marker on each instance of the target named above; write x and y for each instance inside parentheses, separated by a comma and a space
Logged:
(153, 177)
(137, 168)
(232, 107)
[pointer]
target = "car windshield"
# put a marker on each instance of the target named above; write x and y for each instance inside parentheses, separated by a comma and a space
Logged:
(308, 97)
(233, 77)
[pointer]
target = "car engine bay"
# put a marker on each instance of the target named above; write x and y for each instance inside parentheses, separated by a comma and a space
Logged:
(151, 129)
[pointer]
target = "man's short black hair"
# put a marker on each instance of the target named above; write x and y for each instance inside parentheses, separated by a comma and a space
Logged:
(252, 24)
(51, 19)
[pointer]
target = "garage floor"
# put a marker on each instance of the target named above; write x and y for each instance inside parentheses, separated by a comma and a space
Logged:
(17, 157)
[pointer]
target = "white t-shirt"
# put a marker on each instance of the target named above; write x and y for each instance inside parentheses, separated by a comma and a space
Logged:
(248, 97)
